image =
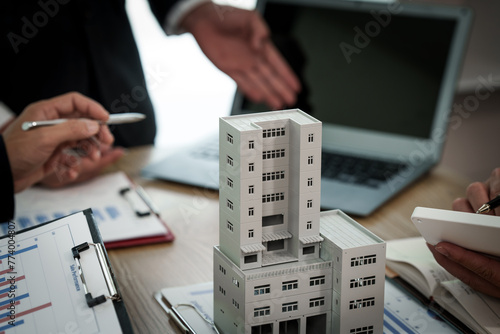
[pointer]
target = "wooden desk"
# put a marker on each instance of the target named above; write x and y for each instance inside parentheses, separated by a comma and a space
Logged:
(192, 214)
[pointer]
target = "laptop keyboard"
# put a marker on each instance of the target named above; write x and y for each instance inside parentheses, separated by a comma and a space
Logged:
(363, 171)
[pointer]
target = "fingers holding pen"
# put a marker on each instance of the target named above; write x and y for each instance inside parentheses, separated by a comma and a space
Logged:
(29, 151)
(69, 105)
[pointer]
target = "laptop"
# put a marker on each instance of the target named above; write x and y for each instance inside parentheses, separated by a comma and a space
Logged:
(380, 76)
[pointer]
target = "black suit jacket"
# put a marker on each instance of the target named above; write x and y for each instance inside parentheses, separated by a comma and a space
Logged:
(50, 47)
(6, 186)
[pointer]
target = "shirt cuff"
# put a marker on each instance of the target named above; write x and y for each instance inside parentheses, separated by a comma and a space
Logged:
(177, 13)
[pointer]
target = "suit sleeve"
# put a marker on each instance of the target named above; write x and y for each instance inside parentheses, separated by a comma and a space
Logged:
(6, 185)
(161, 8)
(170, 13)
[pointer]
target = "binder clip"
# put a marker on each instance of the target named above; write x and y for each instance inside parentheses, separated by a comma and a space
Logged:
(113, 293)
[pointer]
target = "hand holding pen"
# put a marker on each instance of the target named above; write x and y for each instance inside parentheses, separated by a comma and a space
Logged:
(490, 205)
(480, 272)
(40, 155)
(482, 197)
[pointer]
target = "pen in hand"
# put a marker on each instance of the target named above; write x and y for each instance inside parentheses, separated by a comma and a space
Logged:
(487, 207)
(113, 119)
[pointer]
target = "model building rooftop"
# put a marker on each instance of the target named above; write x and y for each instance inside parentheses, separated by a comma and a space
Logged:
(250, 121)
(344, 231)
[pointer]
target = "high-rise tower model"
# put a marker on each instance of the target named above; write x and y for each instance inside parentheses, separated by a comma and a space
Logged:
(274, 272)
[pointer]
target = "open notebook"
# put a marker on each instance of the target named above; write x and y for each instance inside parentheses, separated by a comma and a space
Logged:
(381, 78)
(434, 286)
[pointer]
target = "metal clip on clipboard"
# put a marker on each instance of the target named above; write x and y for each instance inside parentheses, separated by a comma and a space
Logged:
(113, 293)
(139, 200)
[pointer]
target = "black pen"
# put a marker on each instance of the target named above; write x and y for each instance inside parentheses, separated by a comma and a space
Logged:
(487, 207)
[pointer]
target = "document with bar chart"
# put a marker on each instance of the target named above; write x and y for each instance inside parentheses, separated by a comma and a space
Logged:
(41, 289)
(122, 215)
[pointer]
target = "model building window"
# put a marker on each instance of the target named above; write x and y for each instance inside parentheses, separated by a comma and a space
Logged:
(250, 233)
(230, 204)
(309, 203)
(251, 167)
(261, 311)
(271, 176)
(361, 303)
(271, 220)
(363, 260)
(315, 302)
(276, 132)
(310, 137)
(229, 182)
(289, 307)
(310, 160)
(362, 281)
(251, 189)
(230, 161)
(290, 285)
(230, 226)
(222, 269)
(236, 282)
(221, 290)
(309, 182)
(251, 258)
(236, 304)
(273, 154)
(229, 138)
(275, 245)
(251, 211)
(251, 144)
(262, 290)
(308, 250)
(362, 330)
(309, 225)
(273, 197)
(317, 280)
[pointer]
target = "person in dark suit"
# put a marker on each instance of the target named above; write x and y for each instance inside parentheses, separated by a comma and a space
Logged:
(50, 47)
(26, 157)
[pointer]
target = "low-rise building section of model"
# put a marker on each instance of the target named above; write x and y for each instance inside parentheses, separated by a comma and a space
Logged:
(358, 258)
(273, 270)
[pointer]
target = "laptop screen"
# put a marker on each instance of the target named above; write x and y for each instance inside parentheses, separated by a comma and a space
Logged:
(361, 67)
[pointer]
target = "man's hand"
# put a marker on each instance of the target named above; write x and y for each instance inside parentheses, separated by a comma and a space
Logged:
(480, 272)
(39, 153)
(479, 193)
(237, 42)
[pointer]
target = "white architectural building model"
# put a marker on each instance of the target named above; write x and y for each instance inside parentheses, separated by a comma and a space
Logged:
(282, 266)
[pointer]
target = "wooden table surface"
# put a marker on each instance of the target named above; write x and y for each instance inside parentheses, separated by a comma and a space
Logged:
(192, 214)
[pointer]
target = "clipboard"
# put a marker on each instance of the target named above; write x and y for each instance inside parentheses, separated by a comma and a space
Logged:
(189, 307)
(56, 282)
(122, 211)
(402, 313)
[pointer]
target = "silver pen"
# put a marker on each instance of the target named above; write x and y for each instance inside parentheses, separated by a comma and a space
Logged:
(113, 119)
